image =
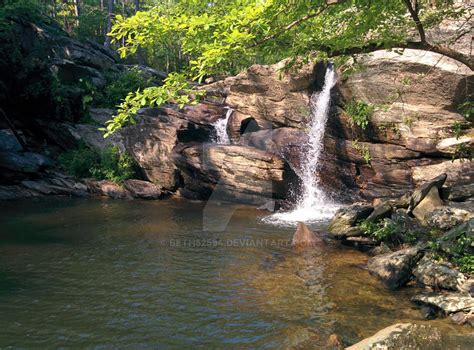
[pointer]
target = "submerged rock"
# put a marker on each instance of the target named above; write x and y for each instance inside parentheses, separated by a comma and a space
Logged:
(304, 237)
(437, 275)
(394, 269)
(401, 336)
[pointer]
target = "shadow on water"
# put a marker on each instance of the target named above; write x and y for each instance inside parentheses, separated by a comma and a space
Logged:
(104, 273)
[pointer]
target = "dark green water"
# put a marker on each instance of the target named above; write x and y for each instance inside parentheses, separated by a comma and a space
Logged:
(92, 273)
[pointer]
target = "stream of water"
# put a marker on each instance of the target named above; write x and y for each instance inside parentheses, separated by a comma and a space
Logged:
(313, 204)
(98, 273)
(222, 138)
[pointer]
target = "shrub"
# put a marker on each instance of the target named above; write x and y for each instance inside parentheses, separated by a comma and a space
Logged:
(465, 263)
(111, 164)
(363, 150)
(383, 230)
(115, 165)
(119, 85)
(360, 113)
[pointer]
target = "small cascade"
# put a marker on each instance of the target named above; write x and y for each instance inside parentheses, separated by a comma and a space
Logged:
(222, 138)
(313, 205)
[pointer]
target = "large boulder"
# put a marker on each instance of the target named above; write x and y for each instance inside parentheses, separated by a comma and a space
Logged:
(394, 269)
(234, 173)
(272, 97)
(421, 192)
(142, 189)
(417, 115)
(428, 272)
(151, 141)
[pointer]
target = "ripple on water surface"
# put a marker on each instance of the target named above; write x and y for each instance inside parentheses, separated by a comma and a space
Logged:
(105, 273)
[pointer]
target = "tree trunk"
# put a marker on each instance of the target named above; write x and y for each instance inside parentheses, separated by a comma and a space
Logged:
(77, 8)
(110, 13)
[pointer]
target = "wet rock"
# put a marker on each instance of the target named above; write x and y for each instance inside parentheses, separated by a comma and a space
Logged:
(334, 342)
(394, 269)
(381, 211)
(429, 203)
(421, 192)
(304, 237)
(344, 222)
(428, 272)
(448, 303)
(461, 318)
(401, 336)
(142, 189)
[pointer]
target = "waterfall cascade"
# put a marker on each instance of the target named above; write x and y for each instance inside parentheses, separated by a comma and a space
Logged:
(220, 125)
(313, 205)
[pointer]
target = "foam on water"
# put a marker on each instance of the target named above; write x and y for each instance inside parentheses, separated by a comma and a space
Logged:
(314, 205)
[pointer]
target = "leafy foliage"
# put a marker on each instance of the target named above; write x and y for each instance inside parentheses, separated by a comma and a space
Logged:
(381, 231)
(111, 164)
(363, 150)
(119, 86)
(456, 246)
(360, 113)
(175, 89)
(465, 262)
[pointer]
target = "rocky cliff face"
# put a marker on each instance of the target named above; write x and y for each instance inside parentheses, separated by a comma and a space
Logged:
(412, 135)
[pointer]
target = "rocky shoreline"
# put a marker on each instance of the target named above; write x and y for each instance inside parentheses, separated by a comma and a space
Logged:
(423, 239)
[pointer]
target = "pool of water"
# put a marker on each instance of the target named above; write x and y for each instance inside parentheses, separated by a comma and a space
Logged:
(175, 274)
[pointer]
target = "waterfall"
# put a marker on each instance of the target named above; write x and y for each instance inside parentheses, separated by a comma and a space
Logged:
(220, 125)
(313, 205)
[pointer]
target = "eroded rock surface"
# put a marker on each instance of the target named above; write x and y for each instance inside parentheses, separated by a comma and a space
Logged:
(233, 172)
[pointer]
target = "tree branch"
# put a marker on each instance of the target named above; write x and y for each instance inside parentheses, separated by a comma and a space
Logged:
(414, 15)
(468, 60)
(298, 22)
(289, 26)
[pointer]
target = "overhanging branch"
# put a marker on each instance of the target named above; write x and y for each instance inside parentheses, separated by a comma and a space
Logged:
(416, 45)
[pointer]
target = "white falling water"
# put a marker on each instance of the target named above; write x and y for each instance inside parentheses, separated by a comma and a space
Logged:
(220, 125)
(313, 204)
